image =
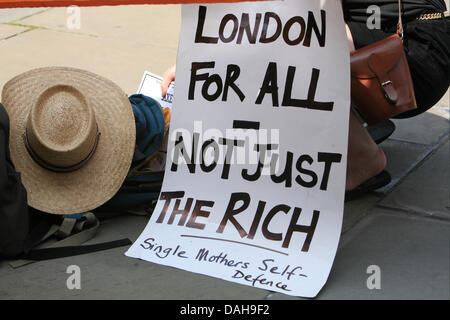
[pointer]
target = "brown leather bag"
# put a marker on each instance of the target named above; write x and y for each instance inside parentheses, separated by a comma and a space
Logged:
(381, 80)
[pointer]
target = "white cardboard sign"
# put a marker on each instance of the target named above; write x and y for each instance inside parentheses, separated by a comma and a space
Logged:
(255, 177)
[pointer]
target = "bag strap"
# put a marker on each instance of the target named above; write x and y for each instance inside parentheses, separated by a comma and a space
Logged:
(400, 22)
(69, 251)
(70, 245)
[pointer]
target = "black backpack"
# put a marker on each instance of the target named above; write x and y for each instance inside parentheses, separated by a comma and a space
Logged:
(14, 214)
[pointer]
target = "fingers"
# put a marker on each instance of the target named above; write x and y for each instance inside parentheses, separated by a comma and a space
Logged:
(168, 77)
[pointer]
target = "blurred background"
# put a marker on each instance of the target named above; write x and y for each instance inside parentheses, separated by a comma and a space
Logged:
(119, 42)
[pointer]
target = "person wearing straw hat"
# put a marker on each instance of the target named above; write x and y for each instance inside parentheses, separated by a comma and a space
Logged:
(72, 137)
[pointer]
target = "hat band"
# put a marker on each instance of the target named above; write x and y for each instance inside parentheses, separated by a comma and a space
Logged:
(53, 168)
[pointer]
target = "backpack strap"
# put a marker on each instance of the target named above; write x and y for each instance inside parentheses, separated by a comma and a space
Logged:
(74, 231)
(69, 251)
(400, 21)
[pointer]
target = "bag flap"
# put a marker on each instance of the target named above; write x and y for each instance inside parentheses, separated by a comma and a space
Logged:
(391, 49)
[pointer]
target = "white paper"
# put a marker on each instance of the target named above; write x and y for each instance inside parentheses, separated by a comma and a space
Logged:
(253, 245)
(151, 87)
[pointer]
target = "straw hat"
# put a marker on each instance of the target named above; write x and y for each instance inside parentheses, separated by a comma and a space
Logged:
(72, 137)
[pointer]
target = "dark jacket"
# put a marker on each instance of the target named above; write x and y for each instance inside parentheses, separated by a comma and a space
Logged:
(356, 10)
(14, 215)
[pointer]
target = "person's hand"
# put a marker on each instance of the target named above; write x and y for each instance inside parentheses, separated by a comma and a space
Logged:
(168, 77)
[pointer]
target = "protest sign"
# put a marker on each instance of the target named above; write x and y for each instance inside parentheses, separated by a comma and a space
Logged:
(255, 177)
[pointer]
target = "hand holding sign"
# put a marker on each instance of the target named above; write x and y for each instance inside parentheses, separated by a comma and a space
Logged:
(168, 77)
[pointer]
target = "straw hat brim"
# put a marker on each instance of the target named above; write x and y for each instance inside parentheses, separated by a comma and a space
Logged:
(101, 177)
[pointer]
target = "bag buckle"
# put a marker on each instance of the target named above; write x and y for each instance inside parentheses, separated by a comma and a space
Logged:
(390, 95)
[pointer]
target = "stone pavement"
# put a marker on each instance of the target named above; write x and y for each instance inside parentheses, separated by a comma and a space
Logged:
(403, 229)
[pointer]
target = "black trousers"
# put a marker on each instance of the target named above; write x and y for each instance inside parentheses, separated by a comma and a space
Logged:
(427, 47)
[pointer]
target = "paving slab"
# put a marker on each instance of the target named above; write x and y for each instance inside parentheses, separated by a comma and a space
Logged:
(426, 190)
(148, 24)
(16, 14)
(402, 157)
(411, 254)
(7, 31)
(426, 128)
(122, 62)
(111, 275)
(357, 209)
